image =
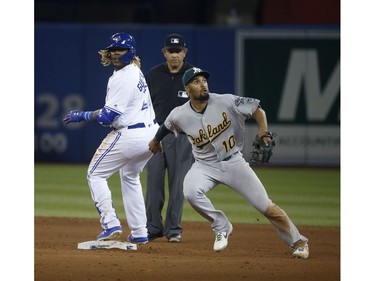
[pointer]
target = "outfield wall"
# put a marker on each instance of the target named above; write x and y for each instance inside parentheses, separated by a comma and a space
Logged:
(294, 72)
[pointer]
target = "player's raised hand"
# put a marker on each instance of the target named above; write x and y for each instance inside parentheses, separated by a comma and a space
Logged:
(74, 116)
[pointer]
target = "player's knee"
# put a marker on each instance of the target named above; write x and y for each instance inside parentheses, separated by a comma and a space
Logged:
(190, 191)
(188, 194)
(94, 179)
(193, 194)
(131, 178)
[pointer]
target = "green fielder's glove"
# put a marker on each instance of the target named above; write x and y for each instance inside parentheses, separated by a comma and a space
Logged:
(262, 151)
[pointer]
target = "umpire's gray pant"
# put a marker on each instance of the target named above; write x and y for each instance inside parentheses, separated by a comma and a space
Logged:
(177, 159)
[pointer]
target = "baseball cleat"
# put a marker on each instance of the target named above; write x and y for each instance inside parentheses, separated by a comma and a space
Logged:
(109, 233)
(176, 238)
(301, 250)
(221, 240)
(137, 240)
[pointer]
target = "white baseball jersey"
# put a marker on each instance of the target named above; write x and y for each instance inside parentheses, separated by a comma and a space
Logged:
(128, 95)
(219, 131)
(125, 149)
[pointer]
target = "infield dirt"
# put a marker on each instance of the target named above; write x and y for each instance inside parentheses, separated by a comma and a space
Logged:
(255, 252)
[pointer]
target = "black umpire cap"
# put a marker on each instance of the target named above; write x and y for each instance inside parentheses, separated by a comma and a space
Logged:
(174, 41)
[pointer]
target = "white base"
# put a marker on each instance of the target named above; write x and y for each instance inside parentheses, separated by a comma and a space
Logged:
(109, 244)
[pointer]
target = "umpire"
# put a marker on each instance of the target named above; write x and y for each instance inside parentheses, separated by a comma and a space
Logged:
(167, 92)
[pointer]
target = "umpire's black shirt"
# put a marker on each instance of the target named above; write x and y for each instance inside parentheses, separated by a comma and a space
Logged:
(164, 87)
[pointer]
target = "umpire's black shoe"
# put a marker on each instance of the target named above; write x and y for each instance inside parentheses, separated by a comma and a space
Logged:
(176, 238)
(152, 236)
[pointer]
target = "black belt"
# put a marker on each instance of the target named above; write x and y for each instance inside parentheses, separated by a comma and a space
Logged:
(229, 157)
(139, 125)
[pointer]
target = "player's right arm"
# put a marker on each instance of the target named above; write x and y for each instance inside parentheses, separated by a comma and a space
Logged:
(167, 127)
(155, 145)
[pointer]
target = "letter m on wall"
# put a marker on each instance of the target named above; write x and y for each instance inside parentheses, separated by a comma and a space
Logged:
(303, 72)
(294, 73)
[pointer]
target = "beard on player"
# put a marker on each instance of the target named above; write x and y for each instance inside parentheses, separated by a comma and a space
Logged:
(203, 96)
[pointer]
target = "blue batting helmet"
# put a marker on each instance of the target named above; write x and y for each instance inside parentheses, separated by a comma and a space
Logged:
(124, 41)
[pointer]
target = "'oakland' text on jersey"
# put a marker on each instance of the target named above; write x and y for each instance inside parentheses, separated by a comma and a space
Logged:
(212, 133)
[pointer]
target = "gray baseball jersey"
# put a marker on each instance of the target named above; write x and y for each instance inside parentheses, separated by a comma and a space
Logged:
(217, 138)
(219, 132)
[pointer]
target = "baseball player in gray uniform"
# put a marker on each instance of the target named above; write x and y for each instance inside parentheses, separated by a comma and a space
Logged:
(215, 126)
(128, 110)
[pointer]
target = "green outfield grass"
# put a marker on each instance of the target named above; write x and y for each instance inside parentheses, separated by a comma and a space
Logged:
(309, 196)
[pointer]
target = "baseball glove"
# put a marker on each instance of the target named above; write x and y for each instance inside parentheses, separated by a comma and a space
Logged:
(262, 151)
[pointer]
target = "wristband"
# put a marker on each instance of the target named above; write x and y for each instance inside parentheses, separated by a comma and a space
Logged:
(87, 115)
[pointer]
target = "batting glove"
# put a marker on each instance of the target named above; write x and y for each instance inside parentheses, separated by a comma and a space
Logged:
(78, 116)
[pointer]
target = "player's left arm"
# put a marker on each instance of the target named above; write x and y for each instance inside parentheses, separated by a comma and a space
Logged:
(261, 118)
(263, 143)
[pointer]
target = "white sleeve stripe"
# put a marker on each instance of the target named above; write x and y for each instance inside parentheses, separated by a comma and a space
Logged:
(114, 110)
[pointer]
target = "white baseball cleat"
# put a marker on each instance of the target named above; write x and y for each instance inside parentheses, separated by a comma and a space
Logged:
(221, 240)
(301, 250)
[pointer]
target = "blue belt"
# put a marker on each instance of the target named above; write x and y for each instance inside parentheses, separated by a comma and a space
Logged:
(229, 157)
(139, 125)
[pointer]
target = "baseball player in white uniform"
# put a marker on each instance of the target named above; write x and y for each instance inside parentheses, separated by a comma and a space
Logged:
(129, 112)
(215, 126)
